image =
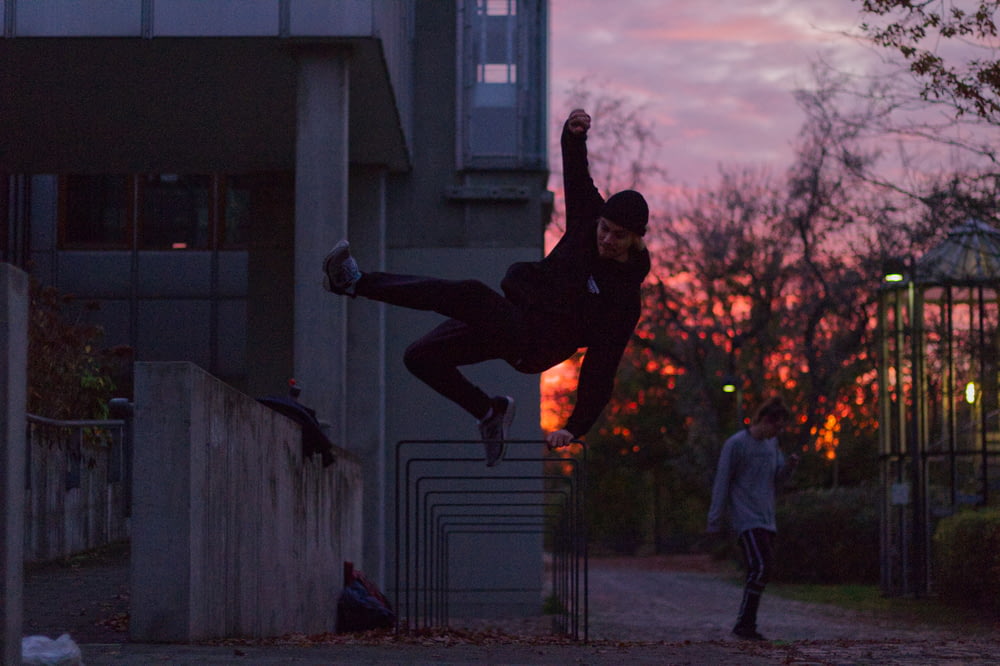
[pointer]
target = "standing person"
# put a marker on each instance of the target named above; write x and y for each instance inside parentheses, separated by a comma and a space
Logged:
(584, 293)
(751, 469)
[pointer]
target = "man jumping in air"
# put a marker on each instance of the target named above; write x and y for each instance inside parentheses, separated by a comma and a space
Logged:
(584, 293)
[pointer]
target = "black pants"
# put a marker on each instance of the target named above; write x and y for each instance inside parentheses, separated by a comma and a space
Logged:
(482, 325)
(758, 553)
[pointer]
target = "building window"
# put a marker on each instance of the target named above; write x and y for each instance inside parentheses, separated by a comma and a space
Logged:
(495, 42)
(95, 211)
(236, 211)
(165, 211)
(502, 80)
(175, 212)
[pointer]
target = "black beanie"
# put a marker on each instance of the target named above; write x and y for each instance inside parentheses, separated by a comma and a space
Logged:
(627, 208)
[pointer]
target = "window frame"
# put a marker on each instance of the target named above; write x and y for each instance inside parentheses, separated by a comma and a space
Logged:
(63, 214)
(134, 210)
(529, 111)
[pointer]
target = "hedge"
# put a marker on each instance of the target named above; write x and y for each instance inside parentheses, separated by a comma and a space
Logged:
(828, 536)
(966, 560)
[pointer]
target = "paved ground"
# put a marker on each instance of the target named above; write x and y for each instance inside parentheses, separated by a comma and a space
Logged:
(86, 597)
(646, 611)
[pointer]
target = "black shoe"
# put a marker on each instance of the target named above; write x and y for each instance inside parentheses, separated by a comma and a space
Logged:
(341, 269)
(494, 429)
(748, 633)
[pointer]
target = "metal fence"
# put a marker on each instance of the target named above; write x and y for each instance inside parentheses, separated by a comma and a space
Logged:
(439, 499)
(77, 485)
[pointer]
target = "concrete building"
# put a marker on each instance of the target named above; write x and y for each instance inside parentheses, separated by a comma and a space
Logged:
(186, 164)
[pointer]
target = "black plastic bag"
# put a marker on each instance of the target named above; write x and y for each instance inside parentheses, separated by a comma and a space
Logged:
(313, 439)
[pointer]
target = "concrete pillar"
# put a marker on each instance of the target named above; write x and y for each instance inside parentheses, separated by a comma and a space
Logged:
(365, 430)
(13, 400)
(321, 195)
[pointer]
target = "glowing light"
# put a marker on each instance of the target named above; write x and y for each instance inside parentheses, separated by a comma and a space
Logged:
(893, 277)
(970, 393)
(827, 439)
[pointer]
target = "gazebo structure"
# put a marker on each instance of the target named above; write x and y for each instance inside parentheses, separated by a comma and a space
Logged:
(939, 391)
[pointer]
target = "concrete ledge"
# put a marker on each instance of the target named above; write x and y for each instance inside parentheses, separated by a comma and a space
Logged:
(234, 534)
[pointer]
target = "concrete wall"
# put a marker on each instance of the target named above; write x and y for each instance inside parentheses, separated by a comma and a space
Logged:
(234, 533)
(13, 397)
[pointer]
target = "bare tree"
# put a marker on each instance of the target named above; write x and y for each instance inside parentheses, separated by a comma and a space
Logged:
(772, 279)
(930, 167)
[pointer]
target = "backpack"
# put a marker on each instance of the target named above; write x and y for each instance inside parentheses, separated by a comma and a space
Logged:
(362, 606)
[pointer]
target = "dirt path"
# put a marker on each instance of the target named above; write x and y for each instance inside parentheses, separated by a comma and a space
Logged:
(651, 599)
(661, 600)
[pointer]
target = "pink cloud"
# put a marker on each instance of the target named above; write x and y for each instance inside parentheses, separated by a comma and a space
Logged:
(716, 79)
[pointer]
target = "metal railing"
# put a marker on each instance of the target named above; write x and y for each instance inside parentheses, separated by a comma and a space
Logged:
(78, 484)
(441, 498)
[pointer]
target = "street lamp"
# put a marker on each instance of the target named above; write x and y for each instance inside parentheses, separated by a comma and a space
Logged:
(731, 384)
(894, 270)
(970, 393)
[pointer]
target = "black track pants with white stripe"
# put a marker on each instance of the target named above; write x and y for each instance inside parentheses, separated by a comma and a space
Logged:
(758, 553)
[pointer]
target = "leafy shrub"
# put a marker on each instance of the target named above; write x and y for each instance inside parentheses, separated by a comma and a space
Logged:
(69, 377)
(828, 536)
(617, 501)
(966, 556)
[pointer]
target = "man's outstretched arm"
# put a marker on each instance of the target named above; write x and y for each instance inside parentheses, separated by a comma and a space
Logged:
(594, 388)
(583, 200)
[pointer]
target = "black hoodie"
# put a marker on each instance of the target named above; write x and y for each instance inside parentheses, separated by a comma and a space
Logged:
(578, 299)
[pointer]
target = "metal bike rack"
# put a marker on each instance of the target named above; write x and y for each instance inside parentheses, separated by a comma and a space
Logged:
(435, 505)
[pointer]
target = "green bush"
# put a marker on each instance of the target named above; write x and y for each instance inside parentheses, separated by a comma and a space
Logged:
(966, 556)
(828, 536)
(616, 508)
(69, 376)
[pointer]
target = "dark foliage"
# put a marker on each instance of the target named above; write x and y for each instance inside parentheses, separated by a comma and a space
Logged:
(828, 536)
(69, 375)
(966, 552)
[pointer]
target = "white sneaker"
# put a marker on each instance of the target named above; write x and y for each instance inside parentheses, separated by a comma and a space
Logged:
(341, 270)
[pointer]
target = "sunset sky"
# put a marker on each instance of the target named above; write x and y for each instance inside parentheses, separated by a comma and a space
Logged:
(716, 78)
